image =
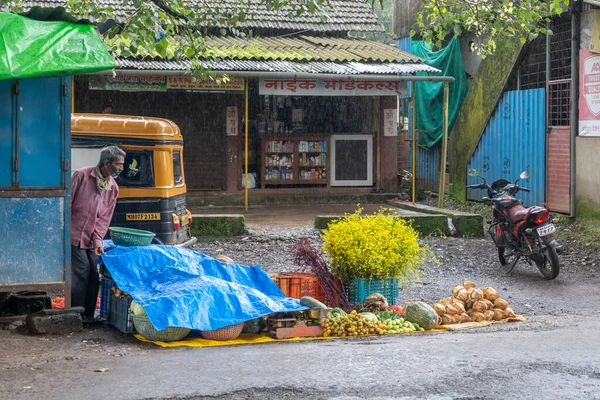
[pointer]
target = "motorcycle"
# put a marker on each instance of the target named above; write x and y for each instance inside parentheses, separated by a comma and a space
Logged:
(518, 231)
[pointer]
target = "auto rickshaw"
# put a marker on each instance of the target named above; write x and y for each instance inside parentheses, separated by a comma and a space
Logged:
(152, 185)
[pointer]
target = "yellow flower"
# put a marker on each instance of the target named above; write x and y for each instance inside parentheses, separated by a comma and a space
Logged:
(376, 246)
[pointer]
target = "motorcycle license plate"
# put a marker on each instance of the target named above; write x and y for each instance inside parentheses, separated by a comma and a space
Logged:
(546, 230)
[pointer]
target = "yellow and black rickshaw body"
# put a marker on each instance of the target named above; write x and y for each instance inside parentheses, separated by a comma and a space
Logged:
(152, 185)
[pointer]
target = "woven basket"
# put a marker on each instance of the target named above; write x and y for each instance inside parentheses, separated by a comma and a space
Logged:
(226, 333)
(130, 237)
(146, 329)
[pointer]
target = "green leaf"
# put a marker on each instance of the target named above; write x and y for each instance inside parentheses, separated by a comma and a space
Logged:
(190, 52)
(523, 40)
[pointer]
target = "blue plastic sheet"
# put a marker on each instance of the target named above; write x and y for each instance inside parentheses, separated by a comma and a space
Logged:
(184, 288)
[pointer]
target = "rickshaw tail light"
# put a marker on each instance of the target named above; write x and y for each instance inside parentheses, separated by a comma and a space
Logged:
(189, 217)
(176, 223)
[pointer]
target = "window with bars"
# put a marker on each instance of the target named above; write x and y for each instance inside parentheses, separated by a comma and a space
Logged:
(560, 49)
(559, 103)
(531, 73)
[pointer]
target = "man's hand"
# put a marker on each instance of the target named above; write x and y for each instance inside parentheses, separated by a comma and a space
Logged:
(99, 250)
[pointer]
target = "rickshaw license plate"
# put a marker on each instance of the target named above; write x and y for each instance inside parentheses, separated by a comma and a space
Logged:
(546, 230)
(143, 217)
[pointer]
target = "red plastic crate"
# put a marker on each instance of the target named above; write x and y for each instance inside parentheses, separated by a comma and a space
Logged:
(298, 284)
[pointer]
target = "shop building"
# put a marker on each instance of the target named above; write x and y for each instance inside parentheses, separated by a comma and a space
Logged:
(321, 104)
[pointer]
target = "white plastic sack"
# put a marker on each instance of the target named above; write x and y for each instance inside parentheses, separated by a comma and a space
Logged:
(251, 180)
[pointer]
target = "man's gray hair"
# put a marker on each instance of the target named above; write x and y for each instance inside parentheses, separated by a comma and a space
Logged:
(109, 153)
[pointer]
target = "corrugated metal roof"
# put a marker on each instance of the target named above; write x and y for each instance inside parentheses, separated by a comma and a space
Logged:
(305, 48)
(307, 54)
(313, 67)
(342, 15)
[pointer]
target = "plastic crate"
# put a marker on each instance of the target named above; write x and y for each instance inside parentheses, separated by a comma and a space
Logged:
(106, 286)
(298, 284)
(130, 237)
(359, 289)
(119, 315)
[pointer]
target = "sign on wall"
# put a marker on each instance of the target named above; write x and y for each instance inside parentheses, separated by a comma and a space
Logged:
(232, 121)
(589, 93)
(128, 83)
(331, 87)
(389, 122)
(144, 83)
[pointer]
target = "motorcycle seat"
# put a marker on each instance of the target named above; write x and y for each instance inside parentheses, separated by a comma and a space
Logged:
(519, 213)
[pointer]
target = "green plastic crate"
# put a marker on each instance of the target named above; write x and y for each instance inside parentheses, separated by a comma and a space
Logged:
(359, 289)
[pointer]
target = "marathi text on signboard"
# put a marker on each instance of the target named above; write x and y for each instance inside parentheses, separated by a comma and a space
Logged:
(232, 121)
(192, 83)
(331, 87)
(389, 122)
(589, 95)
(143, 83)
(129, 83)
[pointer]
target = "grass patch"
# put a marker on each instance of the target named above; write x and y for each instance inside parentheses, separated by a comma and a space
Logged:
(584, 229)
(209, 226)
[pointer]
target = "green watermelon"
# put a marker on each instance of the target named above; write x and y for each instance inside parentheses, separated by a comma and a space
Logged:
(420, 313)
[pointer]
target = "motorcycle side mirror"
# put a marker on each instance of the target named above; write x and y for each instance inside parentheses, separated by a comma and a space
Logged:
(525, 175)
(473, 172)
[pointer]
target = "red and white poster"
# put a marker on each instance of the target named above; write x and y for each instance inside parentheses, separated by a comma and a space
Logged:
(589, 93)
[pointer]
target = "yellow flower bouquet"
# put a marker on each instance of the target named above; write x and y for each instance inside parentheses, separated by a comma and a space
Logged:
(375, 246)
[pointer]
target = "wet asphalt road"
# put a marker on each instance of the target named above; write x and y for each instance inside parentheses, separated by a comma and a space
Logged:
(552, 355)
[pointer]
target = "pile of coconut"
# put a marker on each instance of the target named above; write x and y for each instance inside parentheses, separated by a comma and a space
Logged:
(468, 303)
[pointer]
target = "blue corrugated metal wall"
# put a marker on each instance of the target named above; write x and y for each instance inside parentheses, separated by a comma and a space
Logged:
(428, 164)
(405, 44)
(514, 141)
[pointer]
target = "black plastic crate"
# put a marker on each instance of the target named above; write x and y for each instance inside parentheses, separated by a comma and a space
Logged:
(106, 286)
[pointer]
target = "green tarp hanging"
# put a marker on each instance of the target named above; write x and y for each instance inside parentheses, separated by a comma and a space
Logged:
(429, 96)
(31, 48)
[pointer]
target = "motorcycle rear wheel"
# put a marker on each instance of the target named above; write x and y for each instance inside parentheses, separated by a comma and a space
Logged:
(548, 263)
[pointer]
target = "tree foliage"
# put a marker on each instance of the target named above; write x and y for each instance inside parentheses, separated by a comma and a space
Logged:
(173, 29)
(492, 21)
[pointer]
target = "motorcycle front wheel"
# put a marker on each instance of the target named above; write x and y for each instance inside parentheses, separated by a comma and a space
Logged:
(506, 261)
(547, 262)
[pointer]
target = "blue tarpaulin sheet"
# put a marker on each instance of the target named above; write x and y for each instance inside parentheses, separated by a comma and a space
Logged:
(184, 288)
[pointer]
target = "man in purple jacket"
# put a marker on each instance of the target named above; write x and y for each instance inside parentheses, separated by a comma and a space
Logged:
(93, 198)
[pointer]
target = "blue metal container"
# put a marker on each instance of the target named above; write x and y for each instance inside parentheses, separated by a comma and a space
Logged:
(514, 141)
(34, 183)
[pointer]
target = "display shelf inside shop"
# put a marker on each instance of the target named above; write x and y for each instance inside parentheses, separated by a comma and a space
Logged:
(294, 160)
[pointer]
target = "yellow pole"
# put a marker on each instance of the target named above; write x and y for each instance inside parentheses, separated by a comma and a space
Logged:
(246, 142)
(414, 145)
(441, 189)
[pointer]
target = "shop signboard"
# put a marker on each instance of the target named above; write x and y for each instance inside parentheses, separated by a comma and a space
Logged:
(193, 84)
(331, 87)
(389, 122)
(232, 121)
(589, 93)
(158, 83)
(128, 83)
